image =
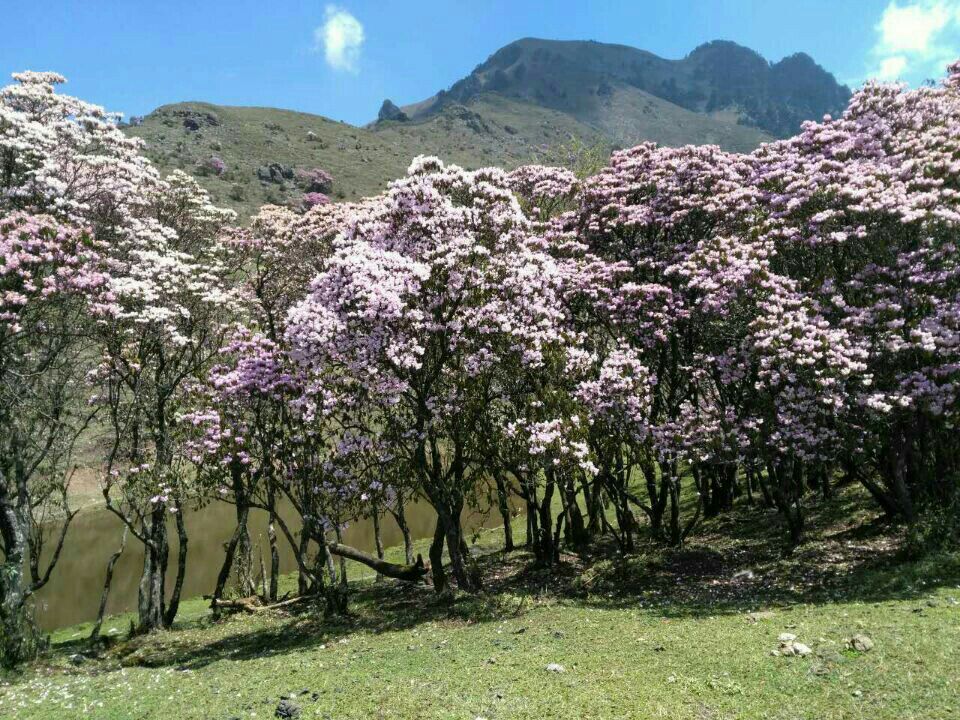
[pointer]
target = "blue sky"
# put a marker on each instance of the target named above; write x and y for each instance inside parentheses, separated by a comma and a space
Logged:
(342, 59)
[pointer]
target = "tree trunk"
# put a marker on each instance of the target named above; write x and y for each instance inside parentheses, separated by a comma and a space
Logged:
(15, 624)
(450, 517)
(108, 581)
(400, 516)
(377, 538)
(303, 581)
(150, 594)
(408, 573)
(232, 547)
(440, 584)
(274, 558)
(503, 504)
(174, 604)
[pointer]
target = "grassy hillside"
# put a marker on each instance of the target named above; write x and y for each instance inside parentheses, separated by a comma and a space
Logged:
(685, 634)
(629, 116)
(492, 131)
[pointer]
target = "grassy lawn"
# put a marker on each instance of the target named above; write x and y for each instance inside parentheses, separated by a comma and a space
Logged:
(661, 634)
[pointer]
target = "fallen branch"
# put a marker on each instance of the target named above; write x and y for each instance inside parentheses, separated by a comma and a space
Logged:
(250, 605)
(408, 573)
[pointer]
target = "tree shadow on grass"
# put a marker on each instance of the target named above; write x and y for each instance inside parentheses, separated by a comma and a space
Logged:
(735, 564)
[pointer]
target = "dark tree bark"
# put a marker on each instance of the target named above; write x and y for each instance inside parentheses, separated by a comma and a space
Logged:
(408, 573)
(377, 537)
(107, 582)
(228, 560)
(503, 505)
(400, 516)
(150, 594)
(174, 604)
(16, 626)
(440, 584)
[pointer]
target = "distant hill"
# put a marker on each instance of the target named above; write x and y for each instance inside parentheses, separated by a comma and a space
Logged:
(528, 97)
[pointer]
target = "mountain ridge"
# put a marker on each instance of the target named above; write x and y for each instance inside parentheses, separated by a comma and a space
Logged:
(593, 94)
(576, 75)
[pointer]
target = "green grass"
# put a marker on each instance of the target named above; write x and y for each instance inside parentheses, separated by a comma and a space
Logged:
(660, 634)
(491, 130)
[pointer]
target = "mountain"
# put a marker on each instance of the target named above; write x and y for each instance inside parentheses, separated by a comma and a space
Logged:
(603, 84)
(528, 98)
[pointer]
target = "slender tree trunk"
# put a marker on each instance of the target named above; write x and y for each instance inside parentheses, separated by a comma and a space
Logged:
(303, 582)
(342, 560)
(400, 516)
(232, 547)
(108, 581)
(274, 558)
(503, 504)
(174, 605)
(450, 517)
(377, 538)
(543, 548)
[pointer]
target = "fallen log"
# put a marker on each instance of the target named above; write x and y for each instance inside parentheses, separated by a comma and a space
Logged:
(408, 573)
(249, 605)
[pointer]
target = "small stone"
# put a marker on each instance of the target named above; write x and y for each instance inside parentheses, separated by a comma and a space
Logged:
(491, 661)
(801, 649)
(860, 643)
(556, 668)
(287, 710)
(857, 693)
(78, 658)
(743, 575)
(787, 637)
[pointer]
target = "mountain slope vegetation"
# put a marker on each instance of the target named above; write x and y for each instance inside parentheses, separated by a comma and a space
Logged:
(526, 99)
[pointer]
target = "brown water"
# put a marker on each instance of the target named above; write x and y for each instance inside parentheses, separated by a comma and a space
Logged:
(73, 593)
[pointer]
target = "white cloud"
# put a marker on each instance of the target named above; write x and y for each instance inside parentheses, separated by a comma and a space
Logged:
(916, 39)
(891, 68)
(912, 28)
(341, 37)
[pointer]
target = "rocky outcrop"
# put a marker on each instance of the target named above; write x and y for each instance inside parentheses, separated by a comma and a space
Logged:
(389, 111)
(274, 173)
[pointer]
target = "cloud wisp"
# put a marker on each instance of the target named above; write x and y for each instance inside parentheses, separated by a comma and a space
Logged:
(916, 39)
(341, 39)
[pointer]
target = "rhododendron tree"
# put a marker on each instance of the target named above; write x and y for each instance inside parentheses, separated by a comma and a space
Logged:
(168, 306)
(864, 218)
(66, 173)
(156, 310)
(425, 290)
(48, 273)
